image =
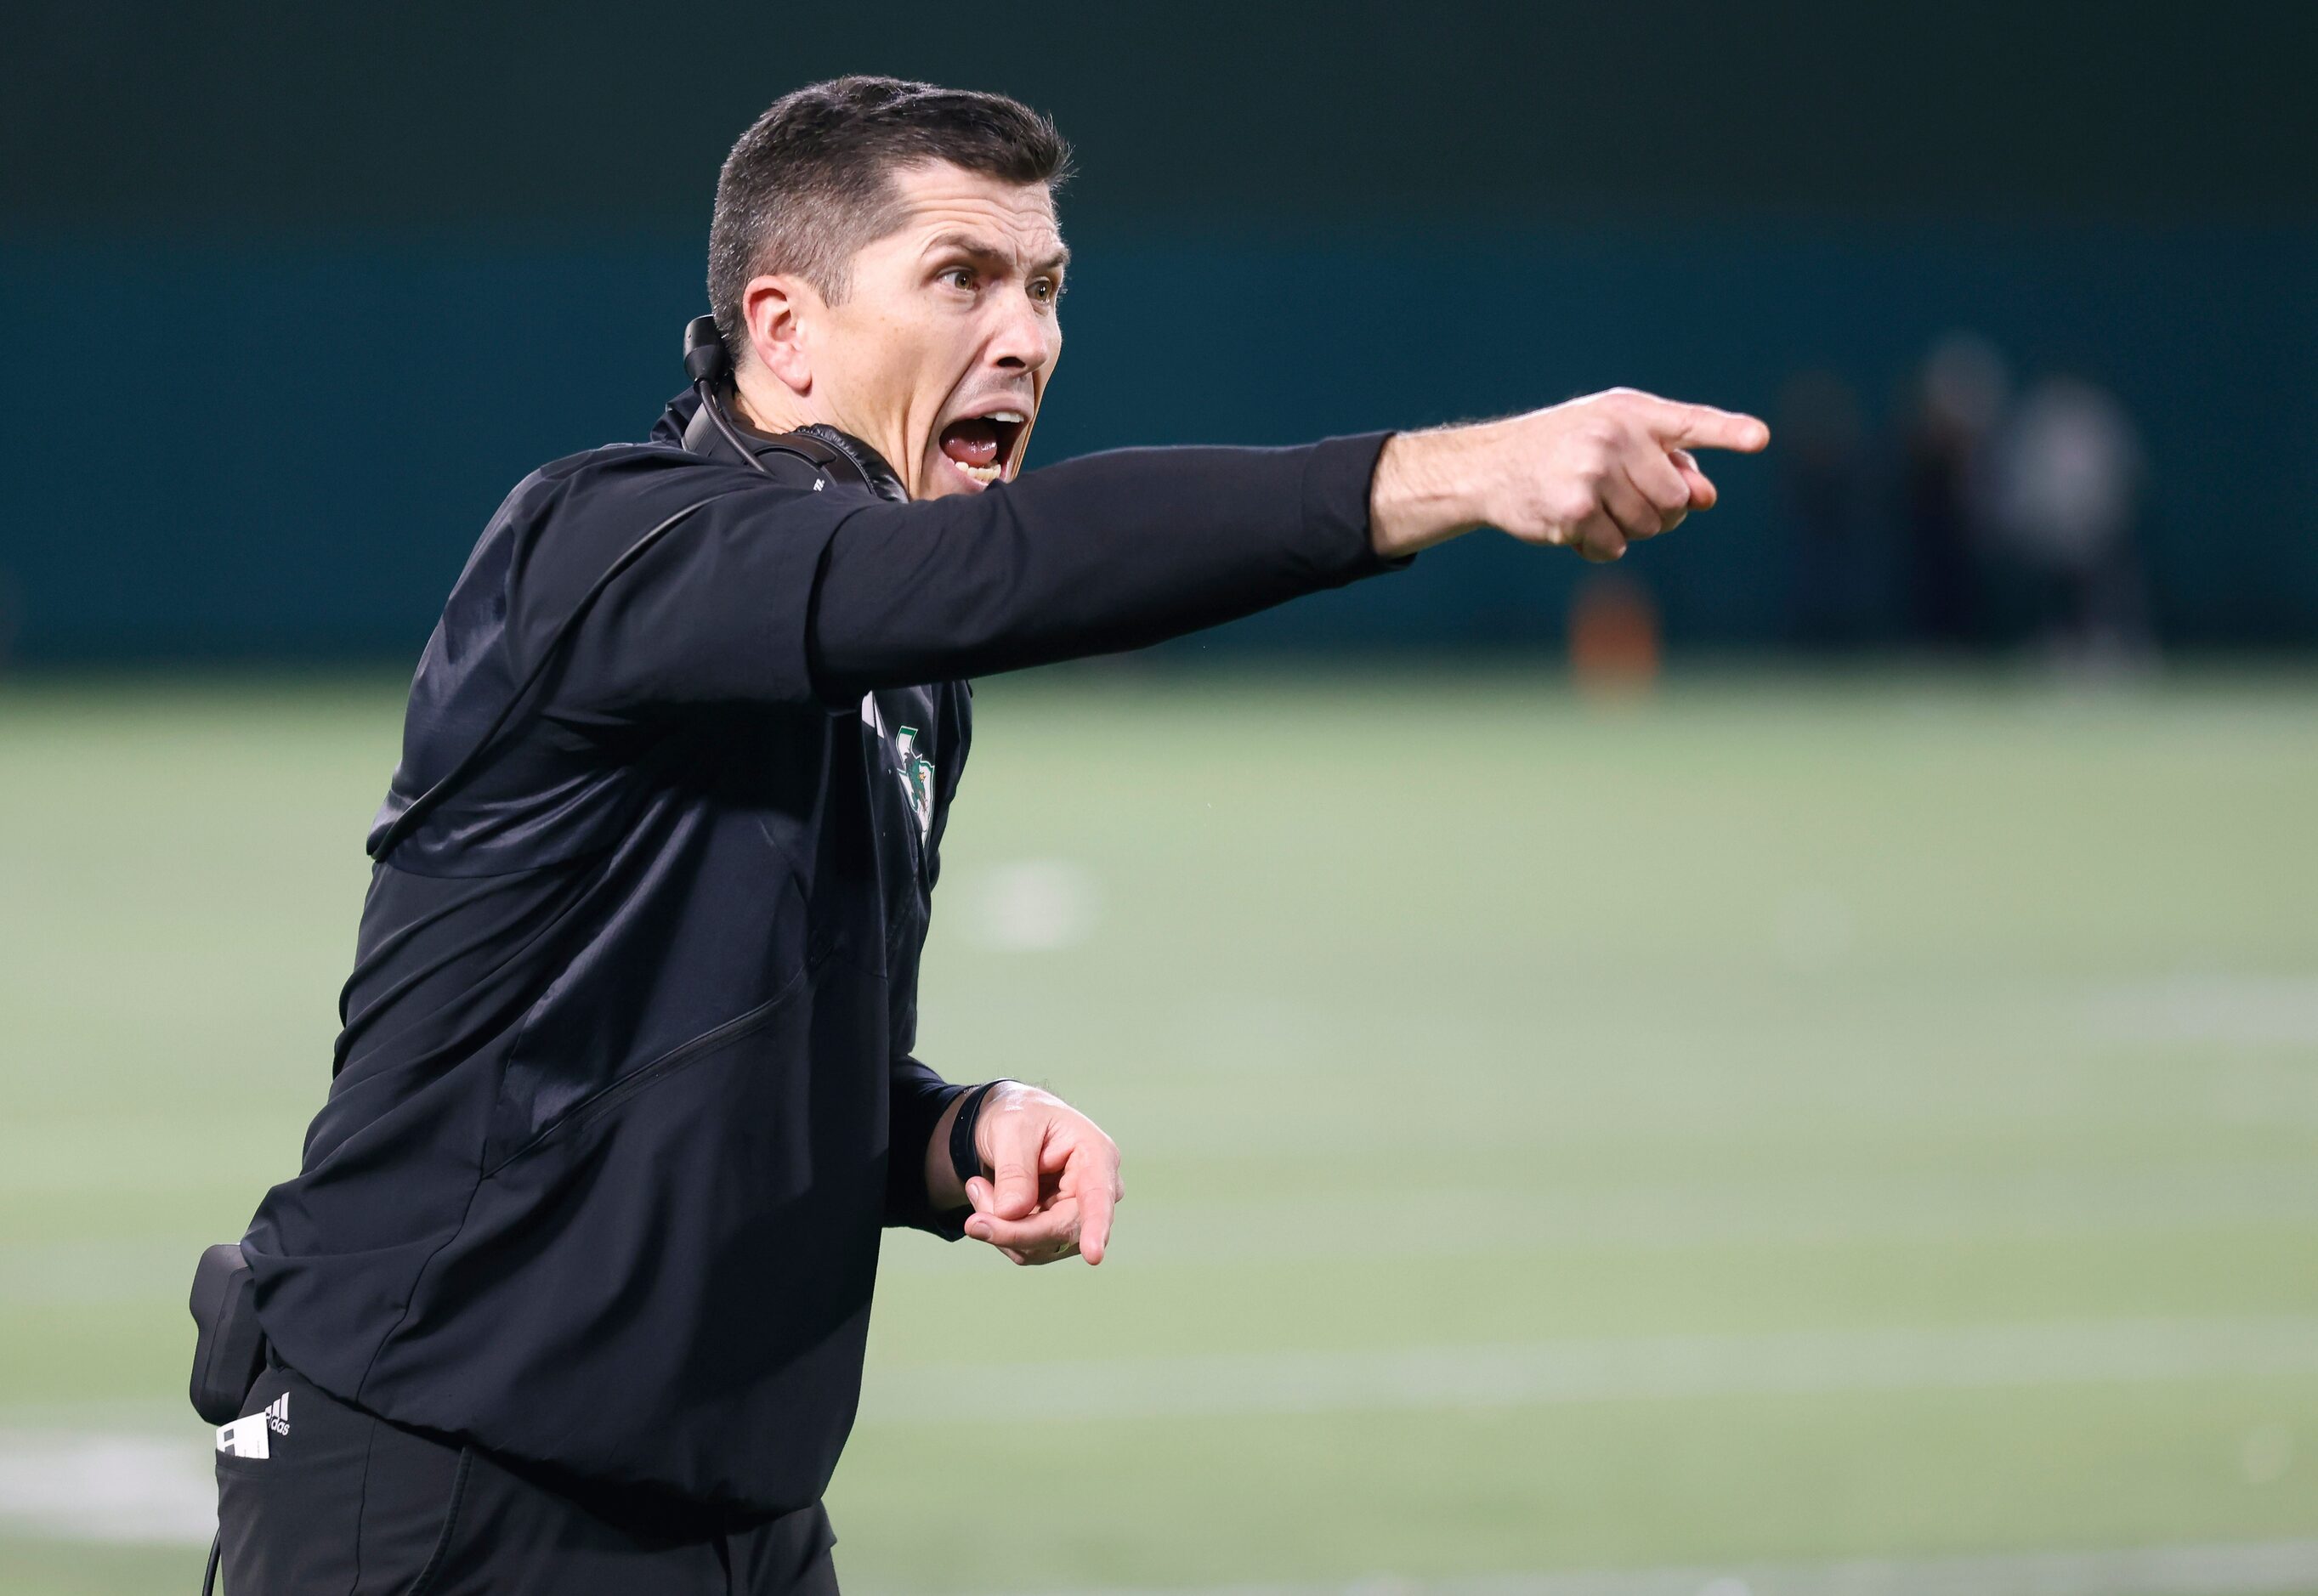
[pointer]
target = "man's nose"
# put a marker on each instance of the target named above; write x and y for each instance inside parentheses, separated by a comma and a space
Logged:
(1027, 340)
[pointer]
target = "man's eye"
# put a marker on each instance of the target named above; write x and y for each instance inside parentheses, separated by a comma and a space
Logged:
(959, 276)
(1045, 291)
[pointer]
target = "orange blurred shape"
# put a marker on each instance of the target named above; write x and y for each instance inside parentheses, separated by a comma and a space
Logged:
(1614, 636)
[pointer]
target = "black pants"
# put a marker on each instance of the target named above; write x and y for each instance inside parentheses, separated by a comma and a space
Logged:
(346, 1504)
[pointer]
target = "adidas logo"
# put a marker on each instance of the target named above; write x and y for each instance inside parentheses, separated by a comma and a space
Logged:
(247, 1435)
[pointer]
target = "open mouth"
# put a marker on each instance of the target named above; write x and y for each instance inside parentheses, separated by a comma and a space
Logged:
(983, 447)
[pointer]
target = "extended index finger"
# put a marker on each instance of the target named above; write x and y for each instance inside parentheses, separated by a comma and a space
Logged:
(1703, 427)
(1095, 1204)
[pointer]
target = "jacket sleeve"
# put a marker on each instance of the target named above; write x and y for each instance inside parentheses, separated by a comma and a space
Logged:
(920, 1097)
(665, 590)
(1093, 556)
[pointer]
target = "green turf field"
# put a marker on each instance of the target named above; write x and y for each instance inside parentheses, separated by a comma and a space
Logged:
(1777, 1124)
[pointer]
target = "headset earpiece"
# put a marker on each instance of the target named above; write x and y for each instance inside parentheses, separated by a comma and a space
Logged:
(705, 358)
(708, 363)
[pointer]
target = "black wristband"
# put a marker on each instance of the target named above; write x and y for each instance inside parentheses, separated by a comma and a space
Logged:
(963, 1155)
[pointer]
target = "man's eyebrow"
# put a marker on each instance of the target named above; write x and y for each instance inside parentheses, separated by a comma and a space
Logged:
(981, 249)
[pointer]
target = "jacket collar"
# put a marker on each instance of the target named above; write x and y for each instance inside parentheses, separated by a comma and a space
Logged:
(682, 425)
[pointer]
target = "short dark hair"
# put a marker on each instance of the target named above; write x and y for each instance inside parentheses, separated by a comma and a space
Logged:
(812, 180)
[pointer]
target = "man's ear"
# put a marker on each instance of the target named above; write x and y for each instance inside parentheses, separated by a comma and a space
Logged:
(777, 311)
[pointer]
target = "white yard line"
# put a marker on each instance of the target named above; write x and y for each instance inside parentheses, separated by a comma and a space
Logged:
(132, 1487)
(2252, 1568)
(1454, 1221)
(128, 1485)
(2239, 1010)
(122, 1487)
(1626, 1369)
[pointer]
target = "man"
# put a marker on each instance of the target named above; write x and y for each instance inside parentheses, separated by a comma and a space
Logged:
(570, 1294)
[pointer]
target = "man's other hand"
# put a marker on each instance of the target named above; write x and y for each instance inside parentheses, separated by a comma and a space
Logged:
(1595, 474)
(1056, 1178)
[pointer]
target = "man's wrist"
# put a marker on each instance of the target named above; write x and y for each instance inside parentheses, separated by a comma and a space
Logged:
(1425, 491)
(952, 1153)
(965, 1159)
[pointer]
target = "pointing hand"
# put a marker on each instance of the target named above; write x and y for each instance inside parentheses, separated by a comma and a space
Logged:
(1595, 474)
(1056, 1178)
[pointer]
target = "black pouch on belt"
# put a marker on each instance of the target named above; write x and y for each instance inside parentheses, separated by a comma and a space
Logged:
(229, 1348)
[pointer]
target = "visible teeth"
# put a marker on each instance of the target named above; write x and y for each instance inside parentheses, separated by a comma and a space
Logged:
(1005, 416)
(983, 474)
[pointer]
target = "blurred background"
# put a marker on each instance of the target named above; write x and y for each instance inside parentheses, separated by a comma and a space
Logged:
(1788, 1064)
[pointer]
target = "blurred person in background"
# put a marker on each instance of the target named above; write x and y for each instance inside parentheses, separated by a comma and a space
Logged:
(2065, 484)
(1959, 399)
(1824, 486)
(572, 1292)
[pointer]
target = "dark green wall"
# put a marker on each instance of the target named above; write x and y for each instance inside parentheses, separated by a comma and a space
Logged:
(602, 117)
(290, 296)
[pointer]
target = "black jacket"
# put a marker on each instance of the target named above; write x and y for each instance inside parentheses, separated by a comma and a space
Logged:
(624, 1090)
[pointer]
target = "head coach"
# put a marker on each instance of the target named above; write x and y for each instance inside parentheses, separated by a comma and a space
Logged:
(570, 1294)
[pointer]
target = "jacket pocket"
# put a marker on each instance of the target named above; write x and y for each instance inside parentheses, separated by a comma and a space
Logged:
(512, 1136)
